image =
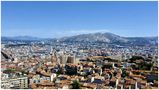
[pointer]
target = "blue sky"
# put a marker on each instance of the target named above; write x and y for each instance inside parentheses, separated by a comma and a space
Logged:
(58, 19)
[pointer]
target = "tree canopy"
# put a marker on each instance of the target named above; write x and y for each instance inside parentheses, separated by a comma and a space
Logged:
(76, 85)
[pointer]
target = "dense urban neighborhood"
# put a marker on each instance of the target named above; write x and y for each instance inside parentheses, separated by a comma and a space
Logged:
(89, 61)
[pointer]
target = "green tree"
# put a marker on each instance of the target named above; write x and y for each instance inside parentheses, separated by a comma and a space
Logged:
(76, 85)
(137, 58)
(124, 74)
(9, 70)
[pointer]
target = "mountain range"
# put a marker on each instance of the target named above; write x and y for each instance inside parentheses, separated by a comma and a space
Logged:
(110, 38)
(25, 38)
(94, 37)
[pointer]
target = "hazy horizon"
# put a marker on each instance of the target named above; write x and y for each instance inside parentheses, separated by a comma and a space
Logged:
(62, 19)
(70, 36)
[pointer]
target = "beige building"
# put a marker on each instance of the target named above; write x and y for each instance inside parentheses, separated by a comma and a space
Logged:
(16, 83)
(71, 59)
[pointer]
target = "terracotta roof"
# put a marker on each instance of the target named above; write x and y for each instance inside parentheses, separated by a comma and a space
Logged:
(139, 76)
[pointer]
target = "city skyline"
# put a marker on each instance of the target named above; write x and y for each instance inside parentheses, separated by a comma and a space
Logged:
(60, 19)
(79, 45)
